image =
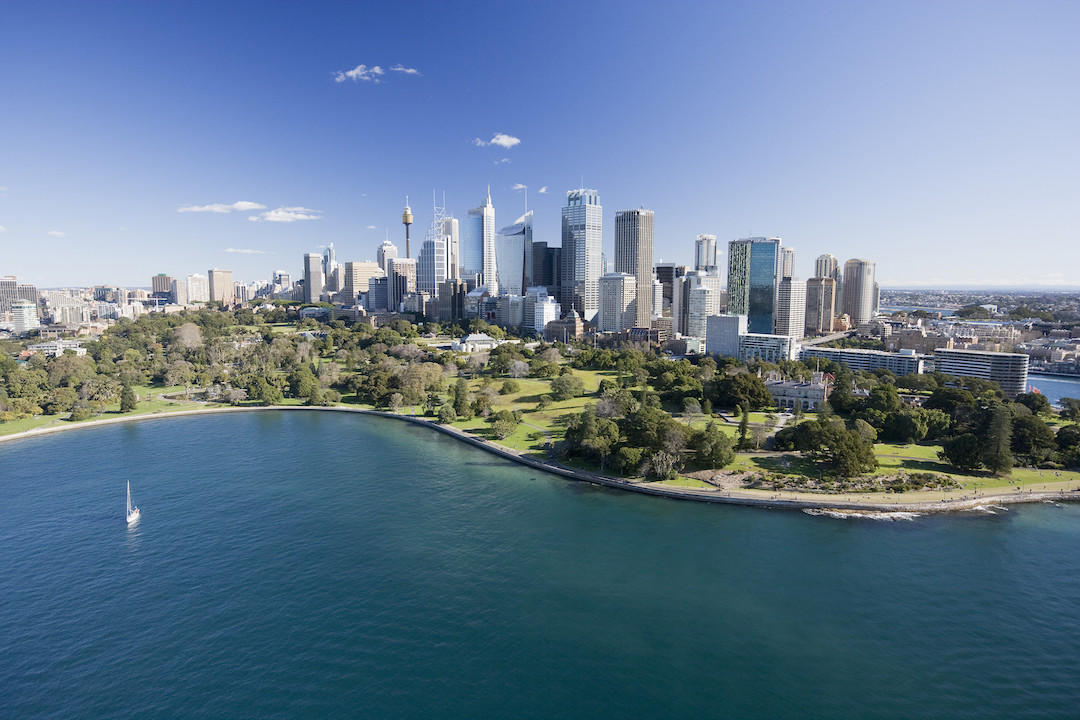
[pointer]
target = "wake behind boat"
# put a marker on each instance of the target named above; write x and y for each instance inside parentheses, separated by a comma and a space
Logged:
(133, 513)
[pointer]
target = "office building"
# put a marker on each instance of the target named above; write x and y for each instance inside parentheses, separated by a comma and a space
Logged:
(281, 279)
(402, 281)
(433, 265)
(657, 300)
(705, 253)
(378, 297)
(1009, 370)
(513, 250)
(382, 256)
(314, 282)
(666, 273)
(787, 262)
(633, 255)
(451, 301)
(722, 334)
(198, 288)
(357, 279)
(820, 305)
(791, 308)
(618, 296)
(859, 291)
(221, 286)
(826, 266)
(754, 266)
(478, 245)
(24, 316)
(161, 286)
(332, 276)
(582, 227)
(704, 302)
(682, 288)
(451, 231)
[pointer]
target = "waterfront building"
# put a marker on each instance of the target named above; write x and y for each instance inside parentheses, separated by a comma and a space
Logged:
(382, 256)
(582, 227)
(722, 334)
(820, 305)
(221, 286)
(402, 281)
(859, 291)
(633, 255)
(1009, 370)
(24, 316)
(314, 282)
(478, 245)
(753, 281)
(791, 307)
(513, 249)
(618, 299)
(901, 363)
(705, 253)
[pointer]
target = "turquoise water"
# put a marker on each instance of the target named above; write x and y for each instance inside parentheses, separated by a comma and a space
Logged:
(329, 565)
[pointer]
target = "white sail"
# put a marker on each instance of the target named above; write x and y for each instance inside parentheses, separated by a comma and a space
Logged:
(131, 513)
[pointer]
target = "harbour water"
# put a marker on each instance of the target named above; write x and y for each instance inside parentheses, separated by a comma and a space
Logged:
(1054, 387)
(328, 565)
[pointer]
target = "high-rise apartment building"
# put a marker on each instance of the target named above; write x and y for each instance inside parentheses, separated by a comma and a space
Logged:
(705, 253)
(198, 288)
(633, 255)
(386, 251)
(754, 266)
(791, 308)
(221, 286)
(24, 316)
(820, 305)
(618, 296)
(582, 227)
(1009, 370)
(478, 245)
(314, 282)
(859, 291)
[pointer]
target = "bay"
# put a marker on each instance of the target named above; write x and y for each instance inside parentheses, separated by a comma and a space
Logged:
(310, 564)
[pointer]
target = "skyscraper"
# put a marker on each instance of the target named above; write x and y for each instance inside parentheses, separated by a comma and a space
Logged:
(221, 286)
(386, 251)
(432, 265)
(666, 273)
(704, 302)
(618, 295)
(314, 282)
(332, 279)
(705, 253)
(826, 266)
(451, 231)
(787, 262)
(820, 305)
(791, 308)
(582, 227)
(161, 285)
(681, 292)
(478, 245)
(859, 290)
(513, 245)
(198, 288)
(754, 266)
(401, 281)
(357, 278)
(633, 255)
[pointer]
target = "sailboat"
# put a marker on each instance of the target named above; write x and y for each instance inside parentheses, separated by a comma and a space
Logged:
(132, 511)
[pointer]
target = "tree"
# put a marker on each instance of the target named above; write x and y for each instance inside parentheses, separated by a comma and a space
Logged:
(509, 387)
(997, 440)
(742, 389)
(1070, 408)
(565, 387)
(1032, 437)
(128, 400)
(904, 427)
(713, 447)
(948, 399)
(691, 406)
(744, 429)
(503, 423)
(267, 393)
(884, 398)
(662, 465)
(462, 404)
(1037, 403)
(844, 451)
(963, 452)
(543, 403)
(706, 406)
(519, 369)
(447, 414)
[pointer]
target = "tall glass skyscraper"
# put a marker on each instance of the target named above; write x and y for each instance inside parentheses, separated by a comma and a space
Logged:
(582, 225)
(754, 266)
(513, 248)
(477, 245)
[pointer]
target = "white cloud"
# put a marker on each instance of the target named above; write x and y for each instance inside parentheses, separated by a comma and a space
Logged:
(360, 72)
(371, 227)
(286, 214)
(519, 186)
(222, 208)
(501, 139)
(246, 251)
(56, 233)
(502, 161)
(543, 190)
(406, 70)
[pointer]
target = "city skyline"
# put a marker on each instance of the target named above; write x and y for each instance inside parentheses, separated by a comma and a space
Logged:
(888, 133)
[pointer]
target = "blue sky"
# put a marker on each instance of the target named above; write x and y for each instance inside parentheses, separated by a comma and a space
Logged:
(939, 139)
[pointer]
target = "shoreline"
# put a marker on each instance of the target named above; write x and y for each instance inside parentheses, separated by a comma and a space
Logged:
(753, 498)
